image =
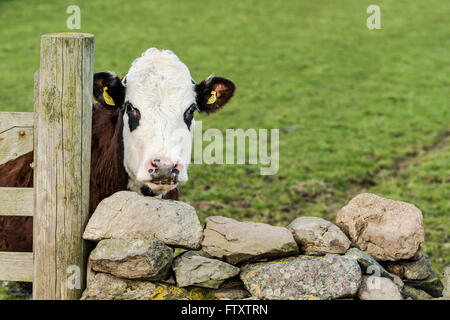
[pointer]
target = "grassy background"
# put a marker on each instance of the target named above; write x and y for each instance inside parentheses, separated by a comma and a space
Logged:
(358, 110)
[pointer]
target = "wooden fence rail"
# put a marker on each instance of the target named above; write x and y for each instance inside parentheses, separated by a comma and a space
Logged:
(59, 132)
(16, 134)
(16, 266)
(16, 202)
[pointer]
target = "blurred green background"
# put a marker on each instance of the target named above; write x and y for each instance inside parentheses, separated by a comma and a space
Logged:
(358, 110)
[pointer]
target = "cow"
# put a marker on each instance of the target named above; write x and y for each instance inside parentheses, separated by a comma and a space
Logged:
(142, 131)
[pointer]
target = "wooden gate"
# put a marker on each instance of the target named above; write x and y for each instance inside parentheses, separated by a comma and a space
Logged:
(59, 132)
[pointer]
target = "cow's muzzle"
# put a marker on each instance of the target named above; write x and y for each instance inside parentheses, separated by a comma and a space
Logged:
(163, 172)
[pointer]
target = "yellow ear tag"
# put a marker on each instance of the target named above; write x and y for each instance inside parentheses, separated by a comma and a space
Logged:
(107, 97)
(212, 99)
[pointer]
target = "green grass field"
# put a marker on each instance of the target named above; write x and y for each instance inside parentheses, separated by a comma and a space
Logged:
(359, 110)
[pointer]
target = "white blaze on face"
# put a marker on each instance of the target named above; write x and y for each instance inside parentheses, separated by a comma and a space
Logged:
(160, 87)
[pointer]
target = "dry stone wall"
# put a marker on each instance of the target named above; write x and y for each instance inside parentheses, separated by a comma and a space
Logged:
(157, 249)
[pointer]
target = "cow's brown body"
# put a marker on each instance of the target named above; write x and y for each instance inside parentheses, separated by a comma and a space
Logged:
(108, 176)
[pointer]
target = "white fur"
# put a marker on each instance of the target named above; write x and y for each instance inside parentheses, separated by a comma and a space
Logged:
(159, 85)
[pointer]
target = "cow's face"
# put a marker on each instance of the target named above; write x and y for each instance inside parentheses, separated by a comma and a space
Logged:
(158, 106)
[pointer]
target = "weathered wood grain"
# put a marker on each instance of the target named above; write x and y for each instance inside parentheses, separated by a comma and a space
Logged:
(9, 120)
(62, 164)
(16, 266)
(16, 135)
(16, 201)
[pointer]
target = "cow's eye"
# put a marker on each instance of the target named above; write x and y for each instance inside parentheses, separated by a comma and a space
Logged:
(129, 107)
(133, 116)
(192, 108)
(189, 114)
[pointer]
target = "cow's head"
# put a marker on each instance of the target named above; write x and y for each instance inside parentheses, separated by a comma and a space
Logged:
(158, 99)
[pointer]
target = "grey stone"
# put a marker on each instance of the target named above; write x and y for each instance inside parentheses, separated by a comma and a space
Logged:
(90, 274)
(412, 269)
(132, 259)
(378, 288)
(398, 282)
(387, 230)
(127, 215)
(191, 269)
(107, 287)
(251, 298)
(446, 292)
(432, 285)
(169, 280)
(302, 278)
(317, 236)
(246, 241)
(368, 264)
(415, 294)
(231, 294)
(232, 289)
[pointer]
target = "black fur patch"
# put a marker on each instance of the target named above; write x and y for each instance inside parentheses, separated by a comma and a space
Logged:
(133, 121)
(134, 116)
(146, 191)
(189, 115)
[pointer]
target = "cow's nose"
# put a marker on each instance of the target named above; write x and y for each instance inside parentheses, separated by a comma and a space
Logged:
(164, 171)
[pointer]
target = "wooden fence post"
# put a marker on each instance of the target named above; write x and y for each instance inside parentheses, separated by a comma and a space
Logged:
(62, 154)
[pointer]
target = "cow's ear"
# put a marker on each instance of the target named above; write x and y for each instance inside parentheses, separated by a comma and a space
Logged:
(213, 93)
(108, 89)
